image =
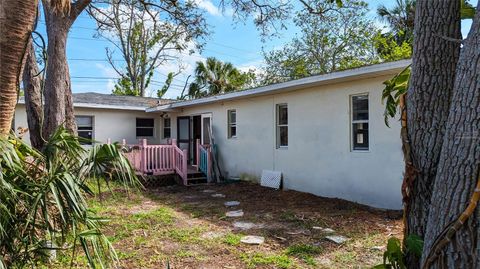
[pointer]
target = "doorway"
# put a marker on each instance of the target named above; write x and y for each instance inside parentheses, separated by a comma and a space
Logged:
(189, 129)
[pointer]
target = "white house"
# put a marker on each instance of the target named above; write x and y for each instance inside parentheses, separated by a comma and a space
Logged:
(325, 133)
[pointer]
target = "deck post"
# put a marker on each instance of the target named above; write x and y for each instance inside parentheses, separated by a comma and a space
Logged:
(109, 141)
(184, 166)
(198, 153)
(174, 158)
(124, 142)
(143, 148)
(209, 163)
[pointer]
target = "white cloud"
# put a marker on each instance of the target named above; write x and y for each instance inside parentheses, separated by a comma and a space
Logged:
(208, 6)
(108, 71)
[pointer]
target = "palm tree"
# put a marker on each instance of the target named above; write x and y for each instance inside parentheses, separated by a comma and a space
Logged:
(17, 19)
(215, 77)
(43, 198)
(400, 18)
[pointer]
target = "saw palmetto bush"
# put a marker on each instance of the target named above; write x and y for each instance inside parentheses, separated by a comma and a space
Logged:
(43, 199)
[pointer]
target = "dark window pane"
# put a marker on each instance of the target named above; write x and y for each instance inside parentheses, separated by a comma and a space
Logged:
(360, 136)
(233, 131)
(233, 116)
(87, 135)
(166, 122)
(283, 136)
(360, 107)
(144, 131)
(87, 128)
(166, 133)
(282, 115)
(145, 122)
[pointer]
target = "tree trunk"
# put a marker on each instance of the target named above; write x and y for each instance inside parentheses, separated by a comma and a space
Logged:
(58, 92)
(17, 20)
(57, 79)
(33, 97)
(458, 168)
(428, 98)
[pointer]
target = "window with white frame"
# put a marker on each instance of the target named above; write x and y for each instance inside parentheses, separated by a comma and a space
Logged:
(145, 127)
(167, 128)
(359, 119)
(85, 129)
(232, 123)
(282, 125)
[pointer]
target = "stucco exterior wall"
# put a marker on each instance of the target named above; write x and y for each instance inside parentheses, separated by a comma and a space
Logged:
(107, 123)
(319, 158)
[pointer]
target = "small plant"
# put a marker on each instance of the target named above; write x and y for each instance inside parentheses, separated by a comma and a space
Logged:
(43, 196)
(303, 251)
(255, 259)
(232, 239)
(394, 256)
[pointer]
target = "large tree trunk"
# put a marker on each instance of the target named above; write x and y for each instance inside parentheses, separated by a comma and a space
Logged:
(428, 98)
(33, 97)
(58, 92)
(458, 168)
(57, 79)
(17, 20)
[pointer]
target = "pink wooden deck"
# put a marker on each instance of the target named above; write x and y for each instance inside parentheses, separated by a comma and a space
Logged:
(157, 159)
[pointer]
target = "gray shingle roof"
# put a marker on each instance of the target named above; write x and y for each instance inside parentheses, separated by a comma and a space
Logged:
(117, 100)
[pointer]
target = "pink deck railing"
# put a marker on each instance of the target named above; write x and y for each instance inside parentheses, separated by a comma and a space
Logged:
(158, 159)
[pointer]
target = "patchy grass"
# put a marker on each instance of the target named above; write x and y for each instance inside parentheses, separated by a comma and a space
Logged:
(255, 259)
(187, 228)
(305, 252)
(232, 239)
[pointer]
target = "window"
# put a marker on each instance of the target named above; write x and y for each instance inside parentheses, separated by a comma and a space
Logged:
(167, 130)
(85, 128)
(359, 118)
(232, 123)
(145, 127)
(282, 125)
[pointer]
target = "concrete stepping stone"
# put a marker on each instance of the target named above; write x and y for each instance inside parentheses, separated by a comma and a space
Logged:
(324, 230)
(208, 191)
(244, 225)
(212, 235)
(234, 214)
(338, 239)
(231, 203)
(252, 240)
(218, 195)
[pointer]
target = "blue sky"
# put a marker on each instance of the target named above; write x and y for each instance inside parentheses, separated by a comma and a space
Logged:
(238, 43)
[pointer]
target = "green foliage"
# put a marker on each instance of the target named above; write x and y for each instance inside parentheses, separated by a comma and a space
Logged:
(255, 259)
(394, 256)
(215, 77)
(394, 89)
(306, 252)
(232, 239)
(124, 86)
(390, 50)
(414, 244)
(42, 196)
(168, 82)
(467, 10)
(341, 38)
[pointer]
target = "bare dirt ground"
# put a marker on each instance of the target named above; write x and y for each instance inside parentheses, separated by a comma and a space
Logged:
(186, 227)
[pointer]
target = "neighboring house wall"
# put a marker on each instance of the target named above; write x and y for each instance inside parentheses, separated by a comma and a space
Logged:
(115, 124)
(319, 158)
